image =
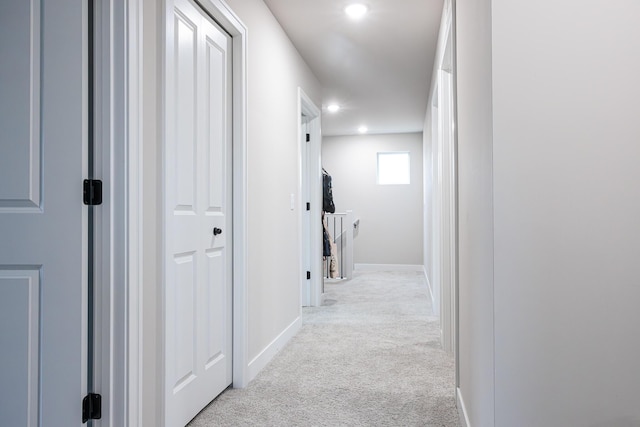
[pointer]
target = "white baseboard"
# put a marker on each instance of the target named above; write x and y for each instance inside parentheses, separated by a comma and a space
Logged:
(388, 267)
(462, 411)
(261, 360)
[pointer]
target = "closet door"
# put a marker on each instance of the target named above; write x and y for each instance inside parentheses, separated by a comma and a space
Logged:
(198, 239)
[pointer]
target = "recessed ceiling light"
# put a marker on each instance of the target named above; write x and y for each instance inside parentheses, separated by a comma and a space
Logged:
(356, 10)
(363, 129)
(333, 108)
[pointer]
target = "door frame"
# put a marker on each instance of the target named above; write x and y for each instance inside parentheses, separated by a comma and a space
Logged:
(456, 254)
(119, 236)
(228, 20)
(116, 259)
(444, 224)
(225, 17)
(447, 149)
(313, 173)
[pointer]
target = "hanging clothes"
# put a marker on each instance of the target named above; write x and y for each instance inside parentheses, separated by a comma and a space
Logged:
(327, 193)
(330, 253)
(326, 243)
(329, 248)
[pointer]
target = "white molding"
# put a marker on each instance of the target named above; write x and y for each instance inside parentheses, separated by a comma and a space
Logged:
(114, 266)
(444, 242)
(270, 351)
(462, 410)
(389, 267)
(317, 283)
(133, 184)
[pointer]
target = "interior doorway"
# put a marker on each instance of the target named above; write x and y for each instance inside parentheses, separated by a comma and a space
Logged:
(305, 293)
(443, 165)
(310, 201)
(204, 207)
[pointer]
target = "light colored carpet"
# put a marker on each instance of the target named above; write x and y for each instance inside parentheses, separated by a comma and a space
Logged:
(370, 356)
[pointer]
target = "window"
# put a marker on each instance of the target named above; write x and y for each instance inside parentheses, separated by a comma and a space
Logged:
(393, 168)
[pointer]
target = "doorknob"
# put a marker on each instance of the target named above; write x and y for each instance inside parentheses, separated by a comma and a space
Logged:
(217, 231)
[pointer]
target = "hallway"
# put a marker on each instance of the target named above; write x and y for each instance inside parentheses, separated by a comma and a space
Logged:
(370, 356)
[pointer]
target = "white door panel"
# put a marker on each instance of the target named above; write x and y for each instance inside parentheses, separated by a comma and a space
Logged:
(19, 329)
(43, 222)
(198, 200)
(19, 104)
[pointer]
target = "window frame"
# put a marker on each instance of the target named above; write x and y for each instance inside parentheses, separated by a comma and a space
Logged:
(408, 173)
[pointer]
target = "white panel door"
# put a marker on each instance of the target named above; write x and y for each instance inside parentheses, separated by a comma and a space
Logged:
(43, 222)
(198, 282)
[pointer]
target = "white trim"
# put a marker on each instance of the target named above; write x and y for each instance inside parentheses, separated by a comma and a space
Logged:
(444, 217)
(114, 266)
(389, 267)
(240, 192)
(270, 351)
(462, 410)
(134, 186)
(308, 107)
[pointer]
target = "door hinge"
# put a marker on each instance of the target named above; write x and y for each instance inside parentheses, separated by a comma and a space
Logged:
(308, 275)
(91, 407)
(308, 137)
(92, 192)
(308, 206)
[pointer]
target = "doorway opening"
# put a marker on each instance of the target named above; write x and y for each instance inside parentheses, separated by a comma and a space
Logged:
(311, 281)
(441, 221)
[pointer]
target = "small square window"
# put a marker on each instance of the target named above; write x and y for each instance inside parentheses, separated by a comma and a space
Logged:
(393, 168)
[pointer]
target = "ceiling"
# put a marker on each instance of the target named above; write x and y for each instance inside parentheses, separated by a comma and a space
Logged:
(378, 69)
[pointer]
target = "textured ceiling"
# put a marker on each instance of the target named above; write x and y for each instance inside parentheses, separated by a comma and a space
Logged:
(378, 69)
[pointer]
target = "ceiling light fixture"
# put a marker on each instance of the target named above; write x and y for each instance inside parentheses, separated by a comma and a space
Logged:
(363, 129)
(356, 10)
(333, 108)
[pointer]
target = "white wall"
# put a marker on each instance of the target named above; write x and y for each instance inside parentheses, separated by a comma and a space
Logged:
(566, 102)
(548, 102)
(390, 215)
(275, 71)
(475, 210)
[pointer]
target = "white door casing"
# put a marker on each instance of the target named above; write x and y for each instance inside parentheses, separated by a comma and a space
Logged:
(43, 222)
(445, 151)
(198, 200)
(447, 199)
(306, 214)
(311, 190)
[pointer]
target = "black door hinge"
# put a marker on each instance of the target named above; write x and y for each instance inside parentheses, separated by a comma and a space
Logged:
(91, 407)
(308, 137)
(308, 275)
(308, 206)
(92, 192)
